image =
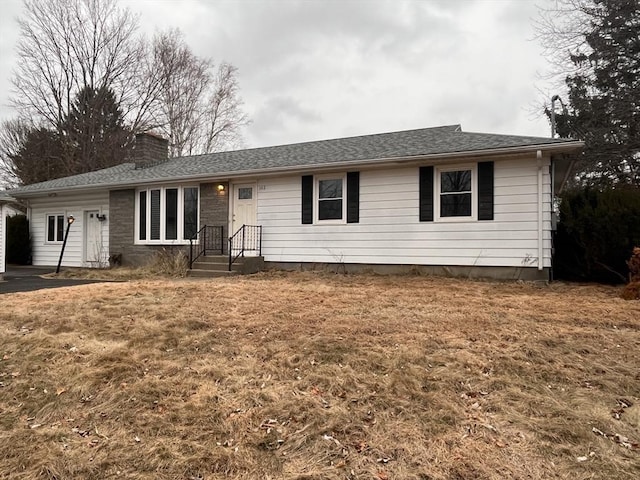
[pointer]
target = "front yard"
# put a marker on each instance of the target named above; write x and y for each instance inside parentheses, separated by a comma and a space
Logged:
(317, 376)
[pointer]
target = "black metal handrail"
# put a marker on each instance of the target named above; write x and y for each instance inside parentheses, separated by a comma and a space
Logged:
(208, 239)
(248, 238)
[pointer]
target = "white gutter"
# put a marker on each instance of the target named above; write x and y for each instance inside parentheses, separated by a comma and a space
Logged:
(381, 162)
(540, 206)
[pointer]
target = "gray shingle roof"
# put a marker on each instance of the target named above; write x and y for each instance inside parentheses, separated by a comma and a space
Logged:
(396, 145)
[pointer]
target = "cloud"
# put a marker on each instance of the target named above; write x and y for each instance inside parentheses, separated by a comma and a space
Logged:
(8, 37)
(280, 113)
(321, 69)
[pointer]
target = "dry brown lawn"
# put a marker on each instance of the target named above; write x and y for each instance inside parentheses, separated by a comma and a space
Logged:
(317, 376)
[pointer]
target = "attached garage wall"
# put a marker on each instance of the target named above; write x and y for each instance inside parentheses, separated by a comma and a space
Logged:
(389, 231)
(47, 253)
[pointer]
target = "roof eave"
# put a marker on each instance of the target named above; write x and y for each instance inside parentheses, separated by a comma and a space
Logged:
(565, 147)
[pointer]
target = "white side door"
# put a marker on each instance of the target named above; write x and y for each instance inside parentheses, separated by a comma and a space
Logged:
(244, 213)
(92, 238)
(244, 206)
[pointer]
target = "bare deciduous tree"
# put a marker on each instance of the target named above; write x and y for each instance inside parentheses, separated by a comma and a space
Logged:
(71, 49)
(13, 134)
(561, 30)
(66, 46)
(201, 112)
(224, 115)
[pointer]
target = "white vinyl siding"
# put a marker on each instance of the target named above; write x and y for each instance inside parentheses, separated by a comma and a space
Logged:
(47, 254)
(389, 231)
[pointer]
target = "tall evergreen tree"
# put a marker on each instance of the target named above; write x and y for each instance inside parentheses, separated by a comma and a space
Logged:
(95, 131)
(40, 157)
(604, 91)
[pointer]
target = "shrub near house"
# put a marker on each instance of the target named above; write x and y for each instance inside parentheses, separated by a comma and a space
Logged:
(596, 234)
(632, 290)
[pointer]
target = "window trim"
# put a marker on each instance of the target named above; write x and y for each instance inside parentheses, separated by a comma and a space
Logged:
(316, 198)
(46, 227)
(474, 192)
(163, 212)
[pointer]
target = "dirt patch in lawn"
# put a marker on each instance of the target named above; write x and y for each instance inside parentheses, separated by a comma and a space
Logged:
(118, 274)
(311, 376)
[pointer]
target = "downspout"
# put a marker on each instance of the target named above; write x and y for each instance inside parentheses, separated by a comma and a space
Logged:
(540, 216)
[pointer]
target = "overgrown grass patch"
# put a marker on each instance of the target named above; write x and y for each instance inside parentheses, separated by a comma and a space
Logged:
(303, 376)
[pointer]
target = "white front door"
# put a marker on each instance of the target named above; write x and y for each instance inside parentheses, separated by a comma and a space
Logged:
(92, 238)
(244, 206)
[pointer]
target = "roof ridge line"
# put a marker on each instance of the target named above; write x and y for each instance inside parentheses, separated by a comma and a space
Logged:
(458, 128)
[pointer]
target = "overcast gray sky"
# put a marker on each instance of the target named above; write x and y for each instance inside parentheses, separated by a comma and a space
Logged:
(311, 69)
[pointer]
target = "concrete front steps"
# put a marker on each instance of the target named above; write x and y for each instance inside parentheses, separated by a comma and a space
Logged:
(212, 266)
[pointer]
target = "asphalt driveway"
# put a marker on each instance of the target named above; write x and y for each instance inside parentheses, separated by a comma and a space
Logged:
(28, 279)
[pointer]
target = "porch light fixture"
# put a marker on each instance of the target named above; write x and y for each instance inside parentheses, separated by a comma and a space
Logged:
(101, 218)
(70, 219)
(220, 187)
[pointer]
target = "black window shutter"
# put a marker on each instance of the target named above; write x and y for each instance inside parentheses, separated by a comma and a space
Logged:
(307, 199)
(485, 191)
(353, 197)
(426, 194)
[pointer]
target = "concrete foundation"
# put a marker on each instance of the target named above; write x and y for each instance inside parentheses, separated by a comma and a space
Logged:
(494, 273)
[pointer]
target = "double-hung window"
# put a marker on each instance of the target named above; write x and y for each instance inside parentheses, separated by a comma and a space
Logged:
(55, 228)
(167, 214)
(456, 193)
(331, 203)
(331, 198)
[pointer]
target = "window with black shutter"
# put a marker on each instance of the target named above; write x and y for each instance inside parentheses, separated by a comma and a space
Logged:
(485, 191)
(457, 192)
(426, 194)
(331, 198)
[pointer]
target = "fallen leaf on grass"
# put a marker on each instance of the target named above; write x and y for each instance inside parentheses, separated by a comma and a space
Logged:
(622, 404)
(60, 391)
(360, 446)
(619, 439)
(382, 475)
(480, 393)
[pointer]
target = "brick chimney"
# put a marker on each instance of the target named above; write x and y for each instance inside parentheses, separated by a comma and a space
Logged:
(149, 150)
